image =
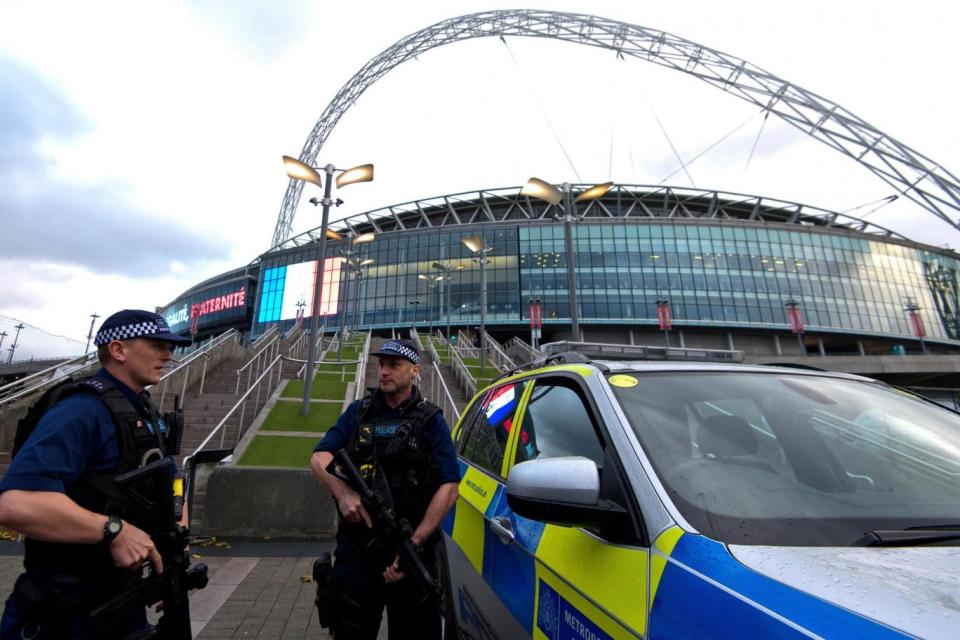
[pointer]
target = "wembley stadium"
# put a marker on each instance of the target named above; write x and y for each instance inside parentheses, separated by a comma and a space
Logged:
(650, 264)
(727, 265)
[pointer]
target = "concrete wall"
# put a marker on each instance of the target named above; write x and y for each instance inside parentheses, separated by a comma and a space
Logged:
(254, 502)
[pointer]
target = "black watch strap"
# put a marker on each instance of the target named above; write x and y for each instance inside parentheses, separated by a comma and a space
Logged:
(111, 529)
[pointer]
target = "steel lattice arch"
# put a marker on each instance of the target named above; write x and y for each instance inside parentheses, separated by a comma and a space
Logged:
(909, 172)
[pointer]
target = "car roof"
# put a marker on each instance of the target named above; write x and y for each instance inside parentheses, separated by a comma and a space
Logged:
(616, 366)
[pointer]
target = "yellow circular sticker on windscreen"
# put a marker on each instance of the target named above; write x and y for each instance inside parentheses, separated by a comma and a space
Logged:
(621, 380)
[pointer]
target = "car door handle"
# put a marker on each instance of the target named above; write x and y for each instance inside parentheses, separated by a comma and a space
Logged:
(502, 529)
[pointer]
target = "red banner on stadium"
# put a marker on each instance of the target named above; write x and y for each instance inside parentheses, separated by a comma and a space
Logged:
(536, 315)
(796, 320)
(918, 329)
(663, 316)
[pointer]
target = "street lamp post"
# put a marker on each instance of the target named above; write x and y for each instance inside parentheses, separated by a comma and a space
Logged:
(477, 245)
(414, 303)
(93, 318)
(16, 337)
(353, 267)
(446, 279)
(537, 188)
(301, 171)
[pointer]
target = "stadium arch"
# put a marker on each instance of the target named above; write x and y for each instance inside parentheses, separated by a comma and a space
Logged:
(911, 173)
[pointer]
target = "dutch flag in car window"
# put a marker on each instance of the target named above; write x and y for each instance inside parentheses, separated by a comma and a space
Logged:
(500, 405)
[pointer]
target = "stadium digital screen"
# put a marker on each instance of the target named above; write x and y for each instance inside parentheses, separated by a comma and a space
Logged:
(225, 303)
(289, 288)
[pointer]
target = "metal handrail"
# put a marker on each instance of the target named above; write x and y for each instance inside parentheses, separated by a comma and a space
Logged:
(296, 325)
(447, 398)
(463, 375)
(529, 353)
(359, 386)
(207, 348)
(272, 351)
(500, 359)
(297, 347)
(415, 336)
(465, 347)
(240, 401)
(273, 335)
(323, 354)
(185, 364)
(80, 364)
(431, 350)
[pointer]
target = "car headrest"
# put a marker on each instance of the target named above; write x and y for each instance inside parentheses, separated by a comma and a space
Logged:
(723, 436)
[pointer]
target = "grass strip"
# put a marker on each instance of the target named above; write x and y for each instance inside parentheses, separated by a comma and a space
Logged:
(324, 388)
(278, 451)
(285, 416)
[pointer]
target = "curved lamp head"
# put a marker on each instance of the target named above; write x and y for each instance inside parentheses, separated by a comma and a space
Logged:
(475, 243)
(301, 171)
(362, 173)
(364, 237)
(594, 192)
(537, 188)
(333, 235)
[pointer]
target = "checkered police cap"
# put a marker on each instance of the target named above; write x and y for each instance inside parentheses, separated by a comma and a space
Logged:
(134, 323)
(400, 349)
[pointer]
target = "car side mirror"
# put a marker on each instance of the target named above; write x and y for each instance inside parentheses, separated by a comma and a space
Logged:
(564, 491)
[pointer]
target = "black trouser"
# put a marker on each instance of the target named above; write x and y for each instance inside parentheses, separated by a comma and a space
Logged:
(42, 607)
(364, 593)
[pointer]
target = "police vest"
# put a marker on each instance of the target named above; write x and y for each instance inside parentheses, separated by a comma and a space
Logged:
(391, 453)
(139, 442)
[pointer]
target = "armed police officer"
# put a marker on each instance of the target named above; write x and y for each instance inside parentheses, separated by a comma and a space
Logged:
(82, 544)
(402, 446)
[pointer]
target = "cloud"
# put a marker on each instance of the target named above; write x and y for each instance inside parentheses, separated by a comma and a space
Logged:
(46, 217)
(262, 29)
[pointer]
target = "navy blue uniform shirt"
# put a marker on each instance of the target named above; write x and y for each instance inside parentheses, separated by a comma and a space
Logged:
(76, 434)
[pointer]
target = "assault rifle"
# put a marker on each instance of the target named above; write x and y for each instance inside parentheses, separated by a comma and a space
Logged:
(153, 487)
(393, 531)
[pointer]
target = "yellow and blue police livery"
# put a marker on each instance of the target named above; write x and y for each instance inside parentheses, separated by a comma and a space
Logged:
(690, 498)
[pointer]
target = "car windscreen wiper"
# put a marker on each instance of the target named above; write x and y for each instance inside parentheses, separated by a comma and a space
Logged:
(911, 536)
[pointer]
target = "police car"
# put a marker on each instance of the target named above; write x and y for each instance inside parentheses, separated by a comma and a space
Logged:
(678, 493)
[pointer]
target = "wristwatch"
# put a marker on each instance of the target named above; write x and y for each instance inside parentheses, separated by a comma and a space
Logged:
(111, 529)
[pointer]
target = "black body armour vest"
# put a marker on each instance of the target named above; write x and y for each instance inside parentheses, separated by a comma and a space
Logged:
(392, 454)
(139, 442)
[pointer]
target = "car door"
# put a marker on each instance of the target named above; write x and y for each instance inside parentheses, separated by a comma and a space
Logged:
(567, 582)
(483, 440)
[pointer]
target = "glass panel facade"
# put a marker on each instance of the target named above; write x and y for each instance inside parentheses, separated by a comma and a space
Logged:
(724, 274)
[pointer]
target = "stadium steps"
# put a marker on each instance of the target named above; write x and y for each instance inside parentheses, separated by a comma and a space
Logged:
(427, 373)
(202, 412)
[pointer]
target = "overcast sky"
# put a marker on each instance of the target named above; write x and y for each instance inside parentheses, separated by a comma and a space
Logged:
(140, 143)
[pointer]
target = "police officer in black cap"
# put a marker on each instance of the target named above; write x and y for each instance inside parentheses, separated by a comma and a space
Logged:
(405, 438)
(82, 544)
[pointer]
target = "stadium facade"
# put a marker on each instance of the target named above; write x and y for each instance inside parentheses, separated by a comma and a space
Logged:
(728, 264)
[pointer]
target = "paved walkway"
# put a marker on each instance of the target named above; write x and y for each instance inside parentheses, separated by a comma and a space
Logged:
(256, 591)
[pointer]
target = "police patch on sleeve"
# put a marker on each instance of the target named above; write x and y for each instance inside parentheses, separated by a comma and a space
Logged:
(559, 620)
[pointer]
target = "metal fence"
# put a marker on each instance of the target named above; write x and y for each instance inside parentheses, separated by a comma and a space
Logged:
(194, 367)
(440, 396)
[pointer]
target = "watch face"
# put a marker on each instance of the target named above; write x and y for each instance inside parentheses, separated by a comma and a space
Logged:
(114, 526)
